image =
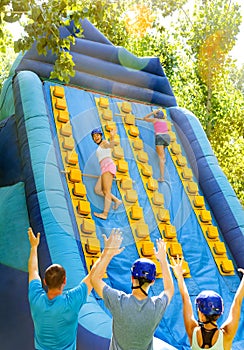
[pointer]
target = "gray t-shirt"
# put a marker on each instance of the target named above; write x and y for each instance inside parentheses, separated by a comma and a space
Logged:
(134, 321)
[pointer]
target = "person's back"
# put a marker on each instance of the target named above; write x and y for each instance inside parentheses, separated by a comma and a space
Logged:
(55, 313)
(216, 341)
(134, 320)
(135, 316)
(55, 320)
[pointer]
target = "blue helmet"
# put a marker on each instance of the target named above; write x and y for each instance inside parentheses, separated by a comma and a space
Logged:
(210, 303)
(144, 268)
(159, 115)
(96, 131)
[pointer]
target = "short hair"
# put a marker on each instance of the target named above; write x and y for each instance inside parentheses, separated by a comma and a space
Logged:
(54, 276)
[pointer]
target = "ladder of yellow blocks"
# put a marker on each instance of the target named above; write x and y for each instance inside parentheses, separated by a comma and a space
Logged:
(129, 195)
(77, 190)
(204, 218)
(203, 215)
(156, 199)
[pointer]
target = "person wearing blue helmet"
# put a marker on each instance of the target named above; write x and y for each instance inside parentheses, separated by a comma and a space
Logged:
(162, 137)
(108, 171)
(204, 332)
(135, 315)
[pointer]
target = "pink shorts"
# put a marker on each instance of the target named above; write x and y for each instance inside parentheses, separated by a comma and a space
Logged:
(107, 165)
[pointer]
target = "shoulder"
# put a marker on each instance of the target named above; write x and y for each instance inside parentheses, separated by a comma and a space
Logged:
(35, 289)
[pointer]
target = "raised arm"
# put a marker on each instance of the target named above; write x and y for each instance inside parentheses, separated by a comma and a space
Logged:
(148, 118)
(111, 248)
(189, 320)
(230, 326)
(33, 258)
(167, 277)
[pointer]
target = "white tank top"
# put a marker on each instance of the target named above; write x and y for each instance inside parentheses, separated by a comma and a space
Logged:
(102, 153)
(219, 345)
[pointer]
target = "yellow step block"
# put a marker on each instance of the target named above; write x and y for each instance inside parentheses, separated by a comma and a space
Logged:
(133, 131)
(75, 175)
(152, 184)
(142, 230)
(187, 173)
(63, 116)
(172, 136)
(131, 196)
(60, 104)
(142, 157)
(126, 107)
(118, 152)
(205, 216)
(84, 208)
(181, 160)
(88, 226)
(175, 249)
(122, 166)
(175, 148)
(212, 232)
(92, 246)
(163, 215)
(198, 201)
(71, 158)
(169, 232)
(126, 184)
(79, 189)
(129, 119)
(227, 266)
(146, 170)
(68, 143)
(107, 115)
(136, 212)
(147, 248)
(138, 144)
(58, 91)
(192, 187)
(103, 102)
(110, 126)
(158, 198)
(116, 139)
(66, 129)
(219, 248)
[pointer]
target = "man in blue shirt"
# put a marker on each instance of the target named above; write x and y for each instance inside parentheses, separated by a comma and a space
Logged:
(135, 316)
(55, 313)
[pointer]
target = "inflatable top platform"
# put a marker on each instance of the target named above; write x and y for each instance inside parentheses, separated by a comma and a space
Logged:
(48, 170)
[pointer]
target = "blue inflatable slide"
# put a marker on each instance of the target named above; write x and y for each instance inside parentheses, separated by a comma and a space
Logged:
(48, 170)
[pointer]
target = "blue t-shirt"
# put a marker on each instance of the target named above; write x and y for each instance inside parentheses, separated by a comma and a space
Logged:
(134, 321)
(56, 320)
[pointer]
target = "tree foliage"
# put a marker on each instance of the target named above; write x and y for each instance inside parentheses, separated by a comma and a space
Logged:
(192, 42)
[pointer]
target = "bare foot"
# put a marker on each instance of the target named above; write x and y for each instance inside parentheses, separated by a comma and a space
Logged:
(161, 179)
(117, 204)
(101, 216)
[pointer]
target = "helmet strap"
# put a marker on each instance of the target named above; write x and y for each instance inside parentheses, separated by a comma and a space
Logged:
(141, 282)
(201, 324)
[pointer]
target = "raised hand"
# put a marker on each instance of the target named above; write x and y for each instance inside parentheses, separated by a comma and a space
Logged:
(113, 242)
(34, 240)
(177, 266)
(160, 253)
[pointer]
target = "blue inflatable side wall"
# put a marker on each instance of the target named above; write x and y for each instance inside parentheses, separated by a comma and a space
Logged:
(44, 189)
(215, 186)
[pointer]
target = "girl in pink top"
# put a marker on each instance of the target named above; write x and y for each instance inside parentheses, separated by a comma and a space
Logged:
(108, 171)
(162, 138)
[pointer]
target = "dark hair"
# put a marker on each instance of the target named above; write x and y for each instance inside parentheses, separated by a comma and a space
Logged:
(54, 276)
